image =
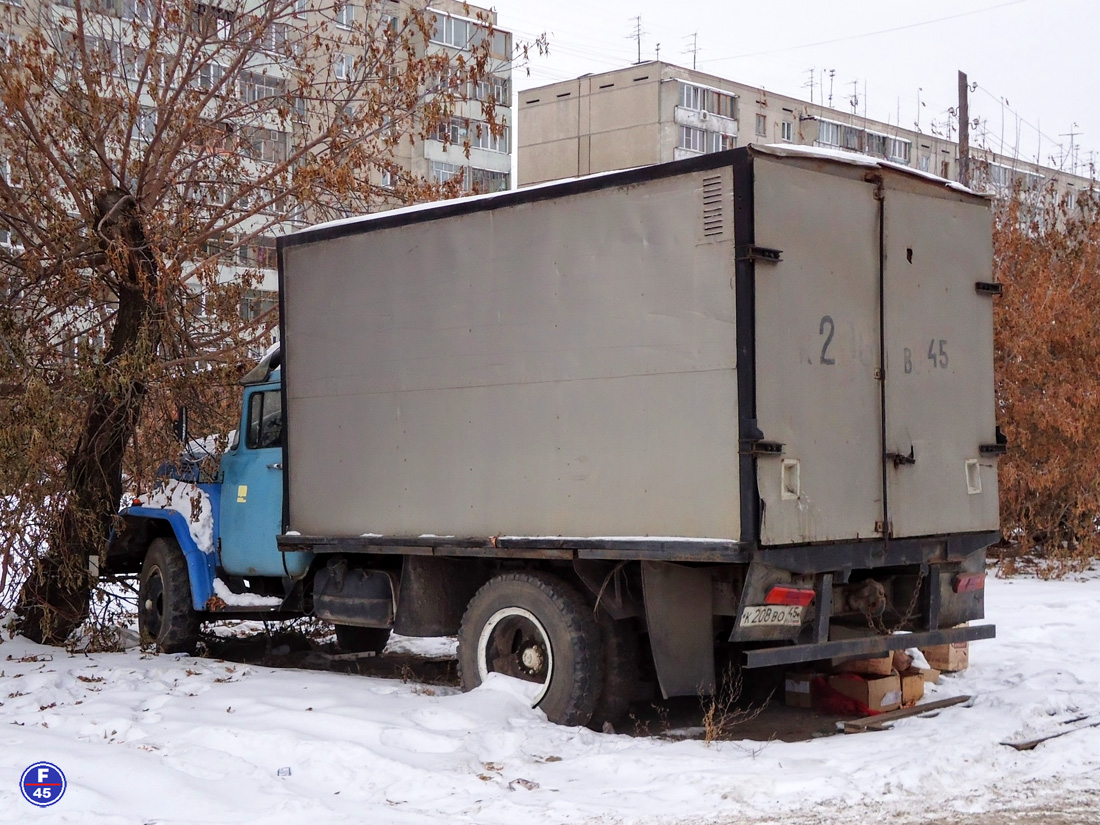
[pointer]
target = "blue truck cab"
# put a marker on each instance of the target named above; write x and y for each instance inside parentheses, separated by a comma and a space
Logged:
(208, 549)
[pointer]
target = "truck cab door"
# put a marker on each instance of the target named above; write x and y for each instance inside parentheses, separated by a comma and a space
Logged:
(252, 492)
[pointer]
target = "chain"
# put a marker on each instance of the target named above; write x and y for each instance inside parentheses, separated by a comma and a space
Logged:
(877, 625)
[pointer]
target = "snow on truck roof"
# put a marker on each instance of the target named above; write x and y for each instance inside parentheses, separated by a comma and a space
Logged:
(775, 150)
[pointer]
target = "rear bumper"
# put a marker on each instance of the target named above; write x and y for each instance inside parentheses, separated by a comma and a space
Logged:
(869, 646)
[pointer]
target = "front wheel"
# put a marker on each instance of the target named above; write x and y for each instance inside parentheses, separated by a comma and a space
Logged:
(534, 627)
(165, 614)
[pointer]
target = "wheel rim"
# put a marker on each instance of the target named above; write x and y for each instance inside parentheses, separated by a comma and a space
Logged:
(513, 642)
(152, 604)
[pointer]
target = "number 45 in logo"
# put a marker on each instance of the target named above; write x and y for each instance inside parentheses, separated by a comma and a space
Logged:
(42, 784)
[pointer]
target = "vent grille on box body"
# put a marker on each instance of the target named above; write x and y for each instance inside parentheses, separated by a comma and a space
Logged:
(714, 218)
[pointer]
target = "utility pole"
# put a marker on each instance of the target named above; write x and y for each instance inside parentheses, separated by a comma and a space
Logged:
(637, 35)
(832, 74)
(810, 82)
(693, 48)
(964, 130)
(1071, 134)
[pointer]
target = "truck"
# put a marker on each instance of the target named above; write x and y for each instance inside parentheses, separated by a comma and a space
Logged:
(612, 431)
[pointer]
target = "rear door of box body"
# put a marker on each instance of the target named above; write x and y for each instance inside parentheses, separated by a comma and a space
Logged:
(939, 358)
(817, 349)
(873, 354)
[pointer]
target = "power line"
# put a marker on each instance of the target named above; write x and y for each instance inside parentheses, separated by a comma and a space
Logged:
(867, 34)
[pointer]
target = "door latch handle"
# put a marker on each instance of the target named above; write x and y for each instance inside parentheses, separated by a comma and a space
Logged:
(276, 466)
(900, 459)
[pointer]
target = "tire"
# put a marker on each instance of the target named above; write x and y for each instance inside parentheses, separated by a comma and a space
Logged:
(534, 627)
(353, 639)
(621, 673)
(165, 615)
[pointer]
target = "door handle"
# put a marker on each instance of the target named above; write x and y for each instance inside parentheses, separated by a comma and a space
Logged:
(900, 459)
(276, 466)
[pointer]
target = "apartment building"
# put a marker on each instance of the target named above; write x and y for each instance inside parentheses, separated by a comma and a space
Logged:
(654, 112)
(462, 148)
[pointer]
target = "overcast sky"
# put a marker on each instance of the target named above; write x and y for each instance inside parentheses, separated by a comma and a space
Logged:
(1035, 62)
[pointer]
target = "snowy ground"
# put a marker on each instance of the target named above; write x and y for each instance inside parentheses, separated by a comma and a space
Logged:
(170, 739)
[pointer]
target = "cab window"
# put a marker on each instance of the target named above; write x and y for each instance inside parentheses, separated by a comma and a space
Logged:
(265, 420)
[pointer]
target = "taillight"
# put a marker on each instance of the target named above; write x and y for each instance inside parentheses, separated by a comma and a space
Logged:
(789, 595)
(965, 582)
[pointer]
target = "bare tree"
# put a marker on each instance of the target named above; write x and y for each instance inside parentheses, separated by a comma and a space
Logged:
(151, 149)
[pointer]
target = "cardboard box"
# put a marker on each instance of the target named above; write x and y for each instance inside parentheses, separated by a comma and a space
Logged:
(948, 658)
(912, 686)
(931, 675)
(871, 665)
(879, 693)
(797, 693)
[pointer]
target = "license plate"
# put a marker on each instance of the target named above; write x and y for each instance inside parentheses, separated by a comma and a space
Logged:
(783, 615)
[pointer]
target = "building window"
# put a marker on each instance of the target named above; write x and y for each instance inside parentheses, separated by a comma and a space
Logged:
(473, 179)
(482, 137)
(443, 172)
(345, 15)
(210, 21)
(8, 243)
(924, 162)
(786, 131)
(457, 131)
(452, 130)
(828, 133)
(691, 97)
(495, 87)
(700, 99)
(487, 180)
(452, 31)
(719, 142)
(692, 139)
(899, 150)
(255, 87)
(341, 67)
(145, 126)
(260, 253)
(265, 145)
(387, 179)
(210, 76)
(761, 125)
(9, 177)
(255, 302)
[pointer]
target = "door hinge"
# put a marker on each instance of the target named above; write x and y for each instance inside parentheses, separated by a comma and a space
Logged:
(876, 179)
(762, 448)
(752, 252)
(998, 448)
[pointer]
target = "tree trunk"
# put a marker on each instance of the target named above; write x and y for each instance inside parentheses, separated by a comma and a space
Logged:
(54, 599)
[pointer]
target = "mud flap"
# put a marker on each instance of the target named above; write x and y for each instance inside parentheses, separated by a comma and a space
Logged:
(679, 615)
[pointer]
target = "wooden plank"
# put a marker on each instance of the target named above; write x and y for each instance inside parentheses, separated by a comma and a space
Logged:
(1029, 744)
(881, 720)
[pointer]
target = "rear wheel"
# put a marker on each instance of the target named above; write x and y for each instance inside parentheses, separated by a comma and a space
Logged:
(621, 673)
(352, 639)
(534, 627)
(165, 614)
